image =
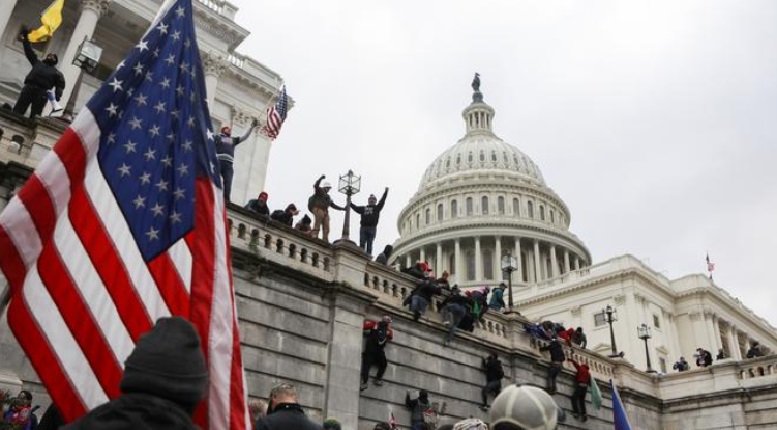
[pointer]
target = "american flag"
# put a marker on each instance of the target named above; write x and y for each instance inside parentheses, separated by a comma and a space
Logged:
(276, 115)
(124, 223)
(710, 265)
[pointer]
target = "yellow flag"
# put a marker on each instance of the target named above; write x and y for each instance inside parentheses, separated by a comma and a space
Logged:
(50, 19)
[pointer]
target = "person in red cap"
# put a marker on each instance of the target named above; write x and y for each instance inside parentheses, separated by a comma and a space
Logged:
(370, 215)
(225, 152)
(259, 205)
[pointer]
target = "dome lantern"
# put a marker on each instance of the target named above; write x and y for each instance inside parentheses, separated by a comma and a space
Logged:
(478, 115)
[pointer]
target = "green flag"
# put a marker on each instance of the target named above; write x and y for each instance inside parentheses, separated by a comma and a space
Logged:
(596, 395)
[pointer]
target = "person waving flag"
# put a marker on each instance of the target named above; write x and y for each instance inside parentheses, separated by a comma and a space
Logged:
(123, 223)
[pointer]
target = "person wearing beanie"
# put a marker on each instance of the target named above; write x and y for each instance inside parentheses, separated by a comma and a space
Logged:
(165, 377)
(259, 205)
(225, 152)
(284, 412)
(378, 334)
(319, 204)
(286, 216)
(304, 225)
(370, 215)
(331, 424)
(43, 76)
(524, 407)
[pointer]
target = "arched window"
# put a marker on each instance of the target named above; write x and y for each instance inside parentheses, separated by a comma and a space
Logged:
(542, 213)
(471, 158)
(504, 156)
(493, 156)
(452, 264)
(500, 205)
(470, 265)
(427, 216)
(530, 208)
(482, 156)
(448, 162)
(516, 207)
(470, 206)
(488, 265)
(484, 205)
(417, 221)
(439, 212)
(454, 208)
(552, 217)
(458, 159)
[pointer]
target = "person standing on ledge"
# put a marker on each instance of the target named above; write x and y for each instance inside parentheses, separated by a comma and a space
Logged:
(43, 76)
(319, 204)
(225, 152)
(370, 215)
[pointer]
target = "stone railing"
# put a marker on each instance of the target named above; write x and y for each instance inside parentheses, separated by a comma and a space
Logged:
(762, 367)
(221, 7)
(236, 60)
(280, 244)
(602, 368)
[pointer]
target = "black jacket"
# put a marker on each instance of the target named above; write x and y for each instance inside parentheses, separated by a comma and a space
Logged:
(493, 368)
(284, 217)
(370, 215)
(556, 350)
(287, 416)
(135, 412)
(42, 75)
(256, 206)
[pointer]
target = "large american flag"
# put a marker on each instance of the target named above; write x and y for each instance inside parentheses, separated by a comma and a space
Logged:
(276, 115)
(124, 223)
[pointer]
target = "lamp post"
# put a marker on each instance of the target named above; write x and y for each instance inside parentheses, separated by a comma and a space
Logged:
(643, 332)
(86, 59)
(609, 314)
(349, 185)
(509, 265)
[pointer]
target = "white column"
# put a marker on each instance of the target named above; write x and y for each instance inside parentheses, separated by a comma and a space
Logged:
(733, 343)
(213, 66)
(438, 265)
(408, 262)
(577, 262)
(91, 10)
(518, 264)
(537, 271)
(6, 7)
(423, 254)
(566, 261)
(478, 261)
(553, 262)
(457, 260)
(498, 259)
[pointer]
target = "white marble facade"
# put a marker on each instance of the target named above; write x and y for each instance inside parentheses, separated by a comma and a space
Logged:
(239, 88)
(483, 198)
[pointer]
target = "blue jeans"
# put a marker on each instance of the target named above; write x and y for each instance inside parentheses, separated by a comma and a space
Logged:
(366, 237)
(457, 313)
(227, 172)
(418, 304)
(417, 425)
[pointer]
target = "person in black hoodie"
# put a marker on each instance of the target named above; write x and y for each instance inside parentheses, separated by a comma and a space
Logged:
(422, 295)
(494, 374)
(284, 413)
(225, 152)
(383, 257)
(285, 216)
(369, 222)
(378, 334)
(43, 76)
(165, 377)
(557, 358)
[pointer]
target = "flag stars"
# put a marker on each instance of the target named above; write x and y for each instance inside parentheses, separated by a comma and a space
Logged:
(139, 202)
(153, 234)
(167, 161)
(175, 113)
(180, 12)
(176, 35)
(130, 146)
(150, 154)
(124, 170)
(210, 135)
(145, 178)
(112, 138)
(180, 90)
(184, 66)
(149, 76)
(187, 42)
(154, 131)
(113, 110)
(171, 137)
(143, 46)
(156, 53)
(116, 84)
(190, 122)
(138, 68)
(183, 169)
(165, 83)
(135, 123)
(179, 193)
(160, 107)
(162, 28)
(170, 60)
(158, 210)
(161, 185)
(141, 100)
(175, 217)
(187, 145)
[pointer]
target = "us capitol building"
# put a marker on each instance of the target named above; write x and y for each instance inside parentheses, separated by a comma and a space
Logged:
(483, 200)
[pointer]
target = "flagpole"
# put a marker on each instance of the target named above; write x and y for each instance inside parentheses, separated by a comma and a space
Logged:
(5, 294)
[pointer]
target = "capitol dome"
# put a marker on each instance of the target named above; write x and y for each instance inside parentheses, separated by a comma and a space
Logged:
(483, 200)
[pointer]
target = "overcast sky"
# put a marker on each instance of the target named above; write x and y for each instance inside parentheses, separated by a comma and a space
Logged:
(656, 122)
